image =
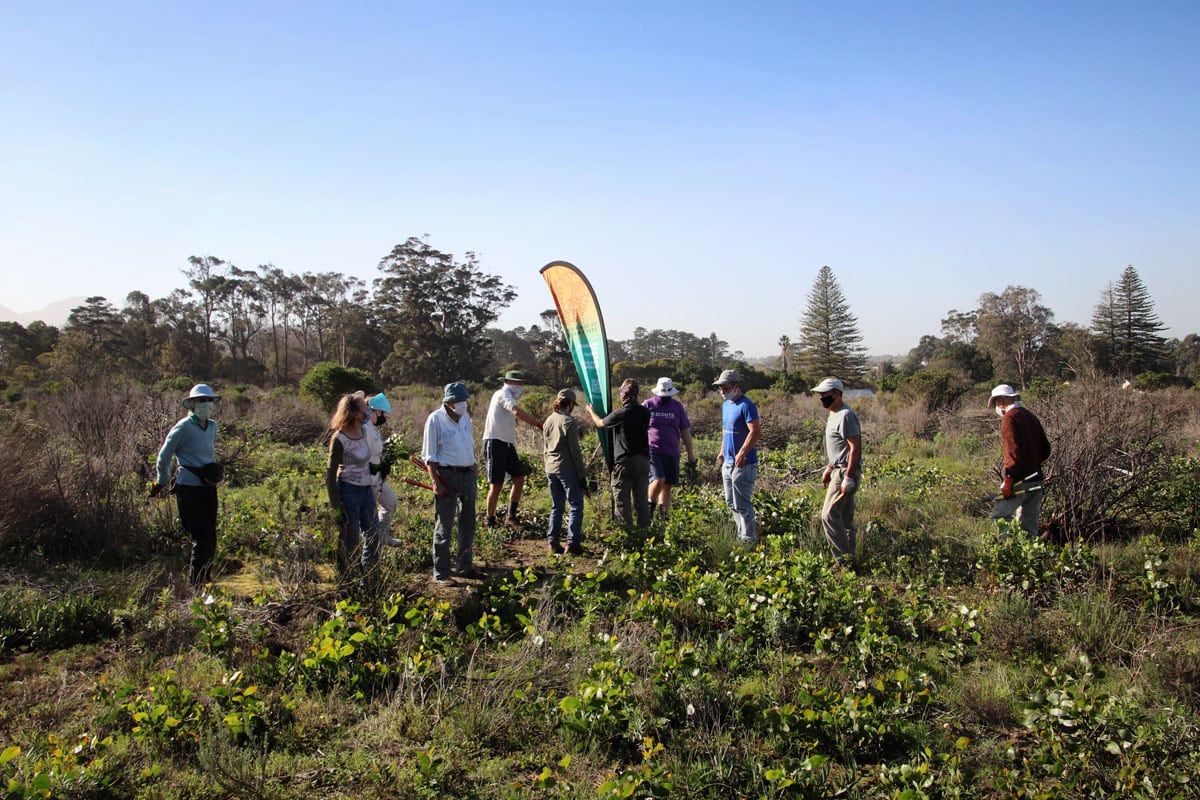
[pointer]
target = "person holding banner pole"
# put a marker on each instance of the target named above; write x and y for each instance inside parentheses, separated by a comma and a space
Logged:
(631, 454)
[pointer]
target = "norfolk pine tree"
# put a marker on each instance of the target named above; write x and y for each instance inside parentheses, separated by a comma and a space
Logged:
(1125, 323)
(830, 343)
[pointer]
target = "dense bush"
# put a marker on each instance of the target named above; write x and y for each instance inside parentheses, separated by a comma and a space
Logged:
(326, 382)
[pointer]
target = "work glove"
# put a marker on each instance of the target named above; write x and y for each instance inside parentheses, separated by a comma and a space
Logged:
(156, 489)
(848, 484)
(1006, 489)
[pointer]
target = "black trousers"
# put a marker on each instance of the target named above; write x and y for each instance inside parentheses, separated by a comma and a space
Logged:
(198, 515)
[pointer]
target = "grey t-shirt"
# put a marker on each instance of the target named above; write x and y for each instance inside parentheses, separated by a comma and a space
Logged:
(840, 426)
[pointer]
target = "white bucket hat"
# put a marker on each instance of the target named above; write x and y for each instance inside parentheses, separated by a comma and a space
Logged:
(1003, 390)
(665, 388)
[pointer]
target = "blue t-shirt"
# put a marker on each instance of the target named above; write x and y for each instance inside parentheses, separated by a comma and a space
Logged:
(736, 416)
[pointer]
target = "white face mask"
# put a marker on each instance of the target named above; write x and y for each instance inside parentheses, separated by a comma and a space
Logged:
(1000, 410)
(515, 390)
(202, 410)
(460, 407)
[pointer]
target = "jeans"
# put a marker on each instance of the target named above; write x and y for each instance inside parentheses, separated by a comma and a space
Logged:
(837, 516)
(565, 490)
(739, 492)
(632, 477)
(460, 501)
(198, 515)
(360, 531)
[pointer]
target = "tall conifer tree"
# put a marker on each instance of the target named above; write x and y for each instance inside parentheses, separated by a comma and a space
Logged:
(1127, 326)
(830, 342)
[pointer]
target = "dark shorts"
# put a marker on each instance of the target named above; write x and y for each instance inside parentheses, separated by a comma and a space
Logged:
(664, 467)
(502, 460)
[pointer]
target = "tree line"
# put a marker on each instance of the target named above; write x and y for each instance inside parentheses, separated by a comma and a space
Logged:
(1009, 336)
(430, 315)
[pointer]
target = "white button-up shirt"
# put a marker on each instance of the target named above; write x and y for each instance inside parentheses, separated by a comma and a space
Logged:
(449, 443)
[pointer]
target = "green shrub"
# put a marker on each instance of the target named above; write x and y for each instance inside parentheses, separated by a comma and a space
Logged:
(326, 382)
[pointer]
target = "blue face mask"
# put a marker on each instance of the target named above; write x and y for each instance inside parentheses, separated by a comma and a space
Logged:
(203, 410)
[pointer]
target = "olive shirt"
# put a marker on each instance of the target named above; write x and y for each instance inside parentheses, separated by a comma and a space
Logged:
(561, 453)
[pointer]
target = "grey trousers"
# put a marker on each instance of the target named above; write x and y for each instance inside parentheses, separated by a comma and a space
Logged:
(837, 516)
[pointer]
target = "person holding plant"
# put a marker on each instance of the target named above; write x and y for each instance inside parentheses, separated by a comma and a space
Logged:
(349, 484)
(385, 497)
(843, 472)
(192, 443)
(566, 473)
(630, 425)
(1026, 448)
(448, 451)
(739, 454)
(669, 425)
(500, 447)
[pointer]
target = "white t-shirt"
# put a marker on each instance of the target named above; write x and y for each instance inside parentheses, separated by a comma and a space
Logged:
(501, 422)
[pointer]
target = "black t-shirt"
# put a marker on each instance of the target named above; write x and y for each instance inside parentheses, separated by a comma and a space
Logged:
(631, 431)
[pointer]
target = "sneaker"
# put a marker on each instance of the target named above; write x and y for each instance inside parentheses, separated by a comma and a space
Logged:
(490, 522)
(474, 574)
(555, 549)
(445, 581)
(576, 550)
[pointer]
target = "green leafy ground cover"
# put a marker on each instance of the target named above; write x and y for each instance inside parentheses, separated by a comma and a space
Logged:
(959, 659)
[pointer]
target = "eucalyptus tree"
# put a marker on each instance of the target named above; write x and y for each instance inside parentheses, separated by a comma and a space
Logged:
(436, 311)
(830, 342)
(1014, 331)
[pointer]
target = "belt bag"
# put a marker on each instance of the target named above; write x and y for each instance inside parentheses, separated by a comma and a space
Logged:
(210, 474)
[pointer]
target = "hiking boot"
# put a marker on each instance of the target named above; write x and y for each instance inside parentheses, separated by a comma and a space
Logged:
(490, 522)
(576, 550)
(555, 549)
(512, 522)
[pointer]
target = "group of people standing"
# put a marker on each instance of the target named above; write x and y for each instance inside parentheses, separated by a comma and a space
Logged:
(648, 441)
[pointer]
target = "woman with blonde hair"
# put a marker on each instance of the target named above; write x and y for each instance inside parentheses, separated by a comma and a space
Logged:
(349, 484)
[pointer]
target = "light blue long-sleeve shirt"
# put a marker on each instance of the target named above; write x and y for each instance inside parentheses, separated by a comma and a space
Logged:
(190, 445)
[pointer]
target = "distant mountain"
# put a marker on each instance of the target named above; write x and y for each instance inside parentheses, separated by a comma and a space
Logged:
(54, 314)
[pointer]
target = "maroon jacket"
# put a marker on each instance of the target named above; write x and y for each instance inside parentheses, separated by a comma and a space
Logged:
(1025, 443)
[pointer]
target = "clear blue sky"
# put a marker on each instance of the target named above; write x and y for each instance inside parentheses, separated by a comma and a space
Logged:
(698, 161)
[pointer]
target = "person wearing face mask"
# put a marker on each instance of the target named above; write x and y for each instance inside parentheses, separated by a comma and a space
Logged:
(1026, 448)
(385, 497)
(500, 447)
(843, 472)
(448, 450)
(349, 484)
(738, 457)
(192, 444)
